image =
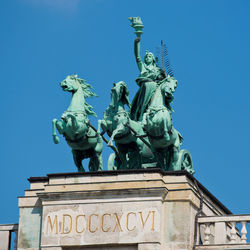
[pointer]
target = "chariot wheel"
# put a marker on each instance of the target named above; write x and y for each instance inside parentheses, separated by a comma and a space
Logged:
(185, 162)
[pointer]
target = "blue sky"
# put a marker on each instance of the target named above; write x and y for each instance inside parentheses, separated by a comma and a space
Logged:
(43, 41)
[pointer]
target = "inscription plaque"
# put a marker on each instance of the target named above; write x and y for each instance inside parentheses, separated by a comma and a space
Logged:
(83, 225)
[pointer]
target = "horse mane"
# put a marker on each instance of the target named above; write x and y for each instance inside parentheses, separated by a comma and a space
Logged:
(87, 93)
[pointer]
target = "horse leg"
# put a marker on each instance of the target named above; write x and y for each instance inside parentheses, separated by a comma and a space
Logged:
(123, 156)
(138, 151)
(97, 158)
(173, 156)
(174, 159)
(165, 129)
(118, 129)
(101, 123)
(95, 162)
(135, 154)
(91, 164)
(169, 158)
(99, 145)
(78, 160)
(159, 155)
(55, 137)
(60, 125)
(140, 157)
(75, 125)
(175, 149)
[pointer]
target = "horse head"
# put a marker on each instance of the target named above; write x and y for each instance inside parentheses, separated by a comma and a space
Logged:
(167, 88)
(75, 119)
(70, 84)
(119, 95)
(120, 117)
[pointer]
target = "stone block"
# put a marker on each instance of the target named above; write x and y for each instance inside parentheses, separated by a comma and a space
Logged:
(4, 240)
(145, 209)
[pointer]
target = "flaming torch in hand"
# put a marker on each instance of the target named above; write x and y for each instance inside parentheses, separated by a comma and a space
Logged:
(137, 24)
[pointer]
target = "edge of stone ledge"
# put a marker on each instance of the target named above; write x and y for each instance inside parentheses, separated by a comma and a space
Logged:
(124, 171)
(38, 179)
(133, 171)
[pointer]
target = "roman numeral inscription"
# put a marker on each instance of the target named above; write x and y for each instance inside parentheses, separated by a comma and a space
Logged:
(65, 223)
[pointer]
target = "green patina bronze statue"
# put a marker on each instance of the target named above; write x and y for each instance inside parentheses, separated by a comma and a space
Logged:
(118, 125)
(143, 132)
(150, 75)
(151, 107)
(75, 125)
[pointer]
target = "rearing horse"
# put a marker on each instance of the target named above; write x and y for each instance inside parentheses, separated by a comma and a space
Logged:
(164, 139)
(75, 127)
(118, 125)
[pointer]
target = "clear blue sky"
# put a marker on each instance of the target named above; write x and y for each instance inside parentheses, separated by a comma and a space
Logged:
(42, 41)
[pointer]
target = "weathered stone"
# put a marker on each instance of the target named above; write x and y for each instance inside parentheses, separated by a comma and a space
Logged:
(8, 232)
(4, 239)
(144, 209)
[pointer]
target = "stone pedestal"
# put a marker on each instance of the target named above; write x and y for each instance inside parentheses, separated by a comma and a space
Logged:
(144, 209)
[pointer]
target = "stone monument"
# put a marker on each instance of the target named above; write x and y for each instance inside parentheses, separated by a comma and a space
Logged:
(147, 200)
(143, 209)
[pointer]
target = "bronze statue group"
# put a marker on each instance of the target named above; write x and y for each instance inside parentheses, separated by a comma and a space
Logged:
(143, 131)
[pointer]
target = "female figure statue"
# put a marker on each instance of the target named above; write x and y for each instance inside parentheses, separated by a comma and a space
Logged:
(149, 78)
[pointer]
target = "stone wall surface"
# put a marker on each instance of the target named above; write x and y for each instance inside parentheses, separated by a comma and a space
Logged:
(8, 234)
(144, 210)
(4, 240)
